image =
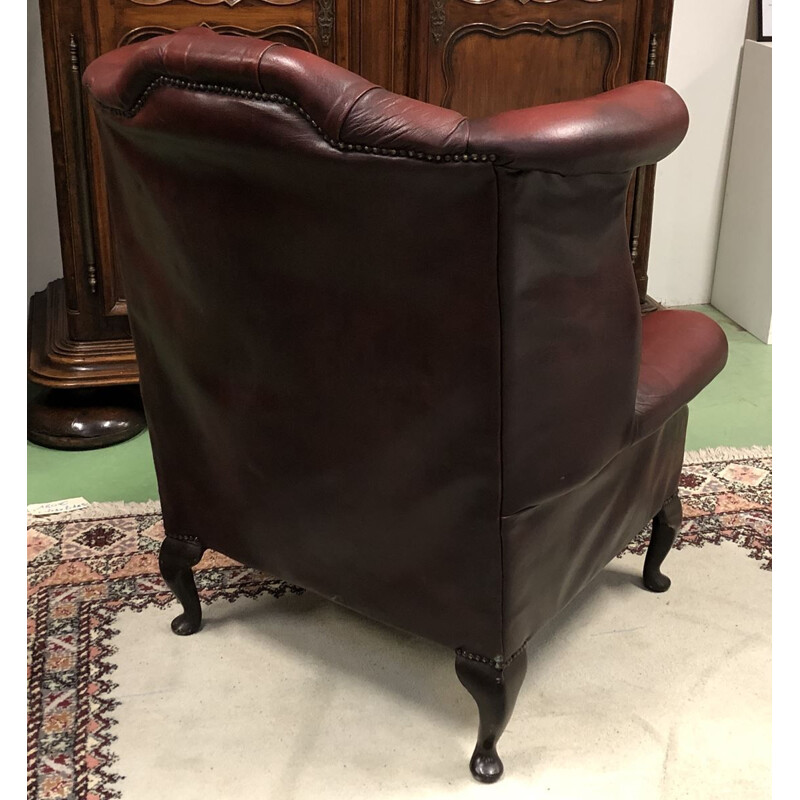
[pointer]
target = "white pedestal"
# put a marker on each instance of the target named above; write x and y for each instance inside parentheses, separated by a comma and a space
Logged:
(742, 286)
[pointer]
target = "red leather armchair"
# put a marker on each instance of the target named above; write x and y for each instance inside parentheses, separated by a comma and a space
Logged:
(391, 354)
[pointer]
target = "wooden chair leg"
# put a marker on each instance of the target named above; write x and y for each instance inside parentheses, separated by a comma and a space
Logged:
(495, 693)
(176, 559)
(666, 525)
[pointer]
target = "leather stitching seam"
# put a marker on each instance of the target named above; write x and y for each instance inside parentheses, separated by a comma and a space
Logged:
(352, 106)
(500, 410)
(261, 58)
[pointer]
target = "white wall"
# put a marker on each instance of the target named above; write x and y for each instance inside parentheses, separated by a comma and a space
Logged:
(704, 59)
(742, 287)
(44, 251)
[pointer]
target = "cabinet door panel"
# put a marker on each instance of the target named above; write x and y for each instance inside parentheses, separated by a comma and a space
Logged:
(305, 24)
(488, 69)
(479, 57)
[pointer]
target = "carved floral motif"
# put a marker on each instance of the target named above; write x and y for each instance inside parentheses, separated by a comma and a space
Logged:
(214, 2)
(325, 20)
(524, 2)
(438, 17)
(302, 38)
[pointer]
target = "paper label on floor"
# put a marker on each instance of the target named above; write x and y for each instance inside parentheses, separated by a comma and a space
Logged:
(57, 506)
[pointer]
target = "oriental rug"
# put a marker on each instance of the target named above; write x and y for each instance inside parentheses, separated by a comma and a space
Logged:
(303, 699)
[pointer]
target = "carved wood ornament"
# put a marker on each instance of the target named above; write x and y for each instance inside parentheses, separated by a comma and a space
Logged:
(325, 20)
(439, 12)
(303, 38)
(438, 19)
(547, 27)
(214, 2)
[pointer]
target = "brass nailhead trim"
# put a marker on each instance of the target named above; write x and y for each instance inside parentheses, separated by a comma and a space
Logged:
(497, 662)
(178, 83)
(183, 537)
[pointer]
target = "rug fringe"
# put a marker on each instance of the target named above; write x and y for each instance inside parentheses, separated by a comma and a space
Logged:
(101, 511)
(709, 454)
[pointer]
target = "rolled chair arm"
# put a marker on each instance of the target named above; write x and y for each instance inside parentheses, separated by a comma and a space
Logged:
(616, 131)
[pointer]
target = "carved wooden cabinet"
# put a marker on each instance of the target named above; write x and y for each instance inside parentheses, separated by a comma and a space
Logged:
(476, 56)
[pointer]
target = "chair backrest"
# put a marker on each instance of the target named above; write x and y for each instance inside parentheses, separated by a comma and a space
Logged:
(361, 319)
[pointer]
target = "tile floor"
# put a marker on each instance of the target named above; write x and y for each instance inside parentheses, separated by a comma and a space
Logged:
(734, 411)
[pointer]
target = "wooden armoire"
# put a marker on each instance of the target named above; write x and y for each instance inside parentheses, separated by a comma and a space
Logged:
(476, 56)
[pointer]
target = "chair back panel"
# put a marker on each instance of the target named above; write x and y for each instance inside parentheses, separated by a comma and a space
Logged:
(318, 341)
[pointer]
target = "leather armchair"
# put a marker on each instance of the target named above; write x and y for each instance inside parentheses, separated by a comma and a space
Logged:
(391, 354)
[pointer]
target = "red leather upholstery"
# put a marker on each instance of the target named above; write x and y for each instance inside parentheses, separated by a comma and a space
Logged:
(388, 353)
(681, 352)
(613, 132)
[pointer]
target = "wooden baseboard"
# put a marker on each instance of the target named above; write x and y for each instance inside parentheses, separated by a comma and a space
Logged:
(54, 359)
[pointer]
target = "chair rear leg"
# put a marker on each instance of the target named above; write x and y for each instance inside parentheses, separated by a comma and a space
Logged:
(495, 693)
(666, 525)
(176, 559)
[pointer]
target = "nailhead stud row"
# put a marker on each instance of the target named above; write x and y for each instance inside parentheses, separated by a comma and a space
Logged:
(497, 662)
(277, 98)
(183, 537)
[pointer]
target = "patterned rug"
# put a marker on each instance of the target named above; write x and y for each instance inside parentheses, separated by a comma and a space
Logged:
(87, 566)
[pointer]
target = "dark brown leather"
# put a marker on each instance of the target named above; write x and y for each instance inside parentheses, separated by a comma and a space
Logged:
(388, 353)
(551, 551)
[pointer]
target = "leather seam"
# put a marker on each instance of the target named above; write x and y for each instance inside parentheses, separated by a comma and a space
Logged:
(500, 409)
(501, 663)
(463, 121)
(633, 444)
(261, 58)
(352, 106)
(513, 168)
(163, 80)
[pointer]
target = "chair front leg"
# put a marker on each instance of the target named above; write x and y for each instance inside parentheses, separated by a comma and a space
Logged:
(666, 525)
(495, 692)
(176, 559)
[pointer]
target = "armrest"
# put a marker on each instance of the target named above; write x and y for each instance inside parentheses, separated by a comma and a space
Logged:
(681, 352)
(616, 131)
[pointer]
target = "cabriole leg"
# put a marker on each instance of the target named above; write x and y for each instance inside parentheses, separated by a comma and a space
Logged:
(666, 525)
(495, 692)
(176, 559)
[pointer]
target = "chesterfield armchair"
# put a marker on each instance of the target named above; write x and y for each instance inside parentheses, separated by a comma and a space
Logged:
(390, 354)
